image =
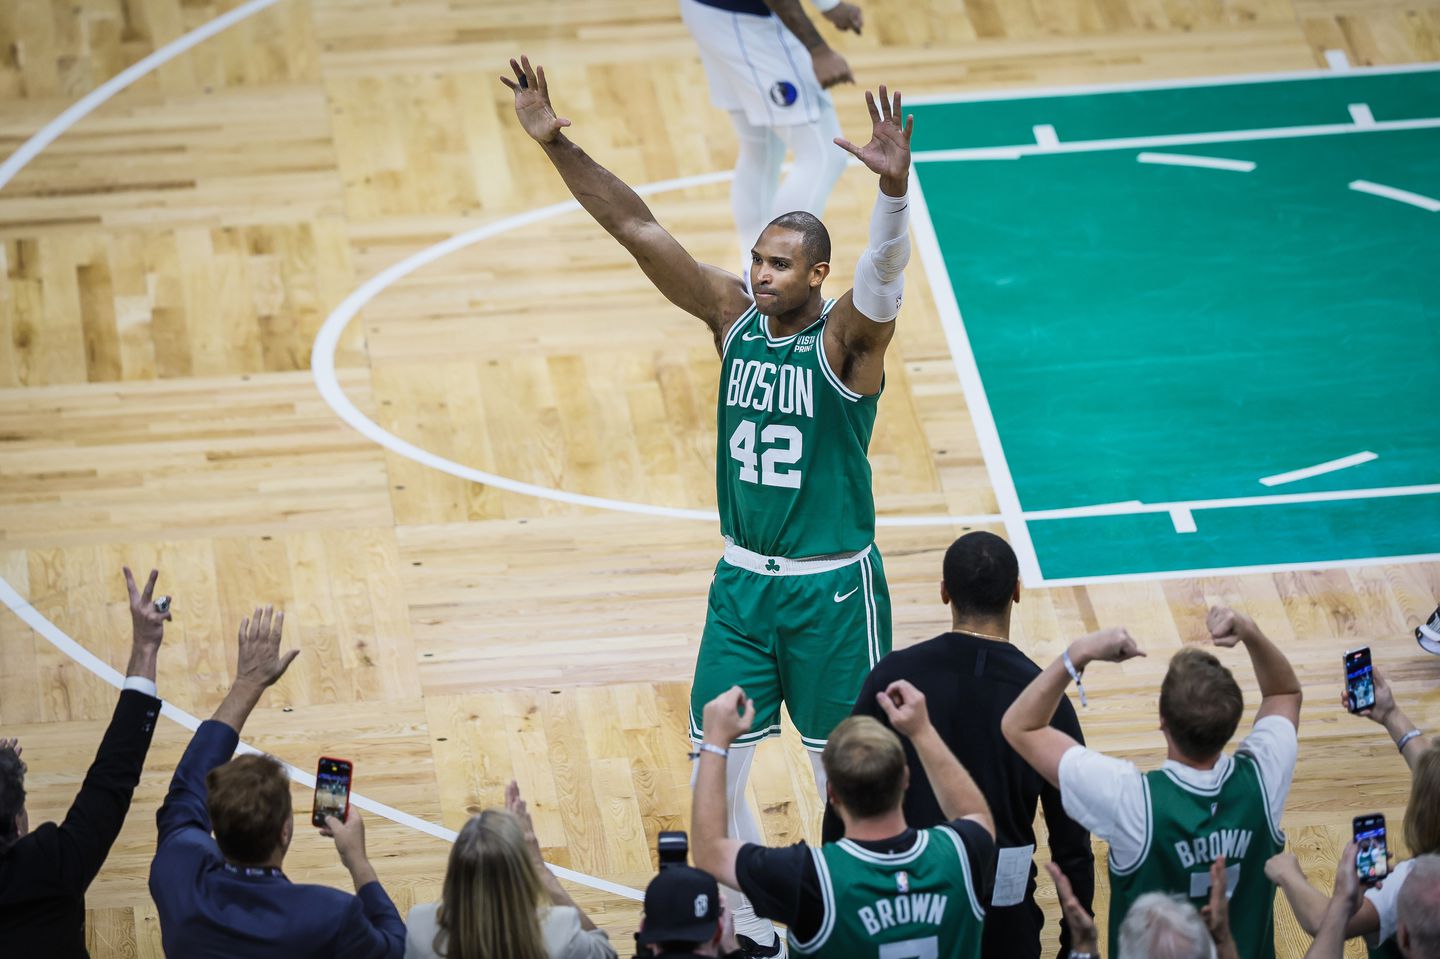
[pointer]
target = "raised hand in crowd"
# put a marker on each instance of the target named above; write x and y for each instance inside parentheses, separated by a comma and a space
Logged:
(148, 616)
(259, 664)
(1216, 913)
(1330, 937)
(1388, 713)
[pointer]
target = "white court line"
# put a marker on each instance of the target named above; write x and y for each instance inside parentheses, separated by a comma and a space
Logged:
(1338, 61)
(1183, 520)
(1362, 116)
(1174, 140)
(1234, 502)
(1216, 571)
(966, 368)
(82, 108)
(1233, 79)
(1185, 159)
(1330, 466)
(1045, 135)
(12, 165)
(1394, 193)
(60, 640)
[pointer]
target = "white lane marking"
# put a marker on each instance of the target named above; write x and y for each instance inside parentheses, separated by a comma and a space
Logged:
(1183, 519)
(1236, 502)
(57, 637)
(1207, 571)
(1330, 466)
(1185, 159)
(1360, 113)
(1394, 193)
(1045, 135)
(1180, 139)
(981, 417)
(12, 165)
(81, 108)
(1234, 79)
(1337, 60)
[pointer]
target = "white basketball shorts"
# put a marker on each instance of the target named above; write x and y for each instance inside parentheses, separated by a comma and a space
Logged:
(756, 65)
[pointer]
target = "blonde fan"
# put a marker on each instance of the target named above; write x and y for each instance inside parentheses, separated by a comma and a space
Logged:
(489, 906)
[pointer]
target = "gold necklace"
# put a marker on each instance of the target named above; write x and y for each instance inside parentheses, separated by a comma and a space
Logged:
(971, 632)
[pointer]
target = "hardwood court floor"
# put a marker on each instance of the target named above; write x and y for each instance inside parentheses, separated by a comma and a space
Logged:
(169, 261)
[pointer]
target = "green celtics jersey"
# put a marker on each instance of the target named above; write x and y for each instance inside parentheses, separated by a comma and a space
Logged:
(791, 474)
(1186, 830)
(915, 904)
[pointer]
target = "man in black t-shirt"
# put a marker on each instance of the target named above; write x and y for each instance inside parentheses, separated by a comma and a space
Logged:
(970, 676)
(885, 882)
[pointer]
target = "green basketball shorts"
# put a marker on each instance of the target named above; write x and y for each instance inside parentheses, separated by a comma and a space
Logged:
(805, 632)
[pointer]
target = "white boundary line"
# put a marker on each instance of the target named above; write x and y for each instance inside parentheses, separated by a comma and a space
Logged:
(12, 165)
(1397, 194)
(1208, 163)
(974, 388)
(1329, 466)
(1206, 572)
(1234, 79)
(60, 640)
(1171, 140)
(82, 108)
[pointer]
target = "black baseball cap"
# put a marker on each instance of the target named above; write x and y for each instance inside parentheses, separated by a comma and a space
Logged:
(682, 904)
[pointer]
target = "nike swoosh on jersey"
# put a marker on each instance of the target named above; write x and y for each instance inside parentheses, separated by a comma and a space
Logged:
(841, 599)
(747, 337)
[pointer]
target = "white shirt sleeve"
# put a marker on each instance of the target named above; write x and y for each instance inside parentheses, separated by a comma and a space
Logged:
(1275, 745)
(141, 685)
(1107, 796)
(1384, 900)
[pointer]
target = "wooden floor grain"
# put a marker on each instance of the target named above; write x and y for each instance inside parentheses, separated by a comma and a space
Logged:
(168, 262)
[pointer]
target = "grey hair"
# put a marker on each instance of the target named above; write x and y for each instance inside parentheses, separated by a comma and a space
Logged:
(1164, 927)
(1418, 907)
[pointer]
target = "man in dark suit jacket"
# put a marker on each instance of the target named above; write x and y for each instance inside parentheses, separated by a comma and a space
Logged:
(44, 872)
(225, 897)
(970, 676)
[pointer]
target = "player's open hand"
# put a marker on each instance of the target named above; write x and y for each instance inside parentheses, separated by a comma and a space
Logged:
(728, 717)
(888, 152)
(1228, 627)
(905, 707)
(532, 101)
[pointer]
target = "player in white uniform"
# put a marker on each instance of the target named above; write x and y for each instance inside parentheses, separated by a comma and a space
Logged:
(769, 68)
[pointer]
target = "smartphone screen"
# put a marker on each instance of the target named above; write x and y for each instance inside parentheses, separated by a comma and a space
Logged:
(1370, 859)
(332, 790)
(1359, 679)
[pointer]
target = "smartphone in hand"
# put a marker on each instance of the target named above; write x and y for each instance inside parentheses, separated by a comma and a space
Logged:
(1359, 679)
(1371, 857)
(332, 790)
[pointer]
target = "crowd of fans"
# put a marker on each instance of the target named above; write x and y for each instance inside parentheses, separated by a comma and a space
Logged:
(933, 787)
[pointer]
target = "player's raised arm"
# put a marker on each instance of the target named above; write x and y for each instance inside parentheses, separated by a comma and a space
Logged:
(863, 322)
(710, 293)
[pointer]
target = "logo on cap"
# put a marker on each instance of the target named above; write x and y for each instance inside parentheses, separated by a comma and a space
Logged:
(702, 905)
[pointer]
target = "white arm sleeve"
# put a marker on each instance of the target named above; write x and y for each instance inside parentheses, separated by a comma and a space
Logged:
(880, 274)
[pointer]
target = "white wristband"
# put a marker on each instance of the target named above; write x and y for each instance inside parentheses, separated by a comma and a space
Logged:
(1075, 675)
(825, 6)
(720, 751)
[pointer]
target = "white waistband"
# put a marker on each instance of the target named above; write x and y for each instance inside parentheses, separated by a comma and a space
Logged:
(780, 566)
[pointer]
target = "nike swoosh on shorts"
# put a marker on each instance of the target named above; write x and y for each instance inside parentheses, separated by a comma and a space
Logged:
(841, 599)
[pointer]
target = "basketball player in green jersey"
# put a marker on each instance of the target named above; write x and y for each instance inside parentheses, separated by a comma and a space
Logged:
(885, 889)
(798, 609)
(1167, 826)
